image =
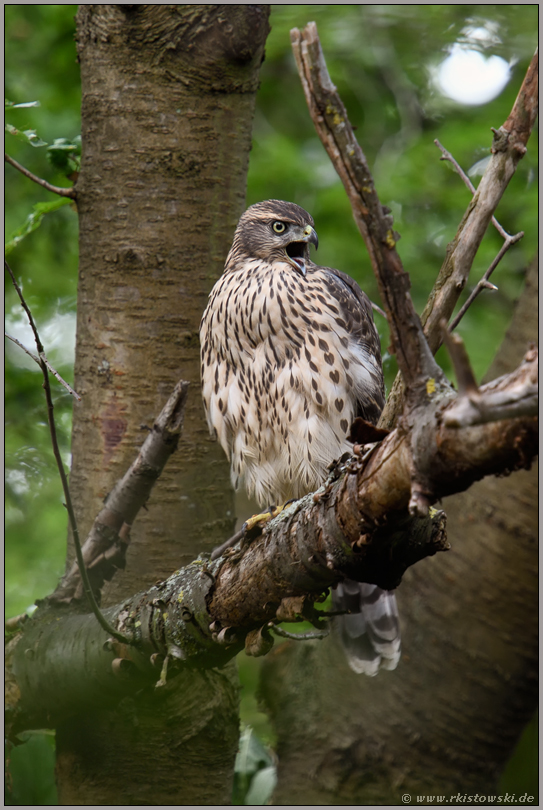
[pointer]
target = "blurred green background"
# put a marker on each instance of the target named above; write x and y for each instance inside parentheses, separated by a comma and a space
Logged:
(389, 63)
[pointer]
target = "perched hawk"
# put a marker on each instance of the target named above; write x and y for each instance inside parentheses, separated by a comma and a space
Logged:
(290, 356)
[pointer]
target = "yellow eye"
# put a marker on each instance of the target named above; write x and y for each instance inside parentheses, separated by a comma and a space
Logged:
(279, 227)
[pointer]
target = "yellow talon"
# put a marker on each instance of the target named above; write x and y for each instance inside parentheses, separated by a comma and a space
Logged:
(263, 517)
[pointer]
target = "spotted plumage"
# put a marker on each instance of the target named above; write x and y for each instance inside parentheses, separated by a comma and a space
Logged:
(290, 356)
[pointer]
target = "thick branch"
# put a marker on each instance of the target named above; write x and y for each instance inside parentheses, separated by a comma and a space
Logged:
(493, 404)
(105, 547)
(335, 131)
(357, 525)
(332, 125)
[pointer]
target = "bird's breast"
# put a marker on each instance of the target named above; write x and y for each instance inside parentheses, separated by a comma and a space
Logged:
(281, 377)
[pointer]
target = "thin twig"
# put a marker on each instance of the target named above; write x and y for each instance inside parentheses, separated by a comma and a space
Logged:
(484, 283)
(56, 450)
(508, 147)
(62, 192)
(24, 305)
(53, 371)
(446, 155)
(34, 357)
(217, 552)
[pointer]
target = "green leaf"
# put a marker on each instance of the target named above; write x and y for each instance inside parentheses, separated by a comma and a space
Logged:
(34, 221)
(65, 154)
(28, 135)
(12, 106)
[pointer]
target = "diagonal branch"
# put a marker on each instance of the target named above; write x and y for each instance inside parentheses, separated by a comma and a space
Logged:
(106, 544)
(53, 371)
(509, 241)
(333, 127)
(508, 147)
(329, 116)
(62, 192)
(102, 621)
(356, 525)
(446, 155)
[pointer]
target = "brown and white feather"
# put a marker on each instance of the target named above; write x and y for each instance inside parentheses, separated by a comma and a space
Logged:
(290, 356)
(288, 361)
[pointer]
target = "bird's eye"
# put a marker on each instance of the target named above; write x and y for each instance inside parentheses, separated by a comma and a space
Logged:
(279, 227)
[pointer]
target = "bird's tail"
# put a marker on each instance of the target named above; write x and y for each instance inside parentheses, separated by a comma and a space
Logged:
(370, 631)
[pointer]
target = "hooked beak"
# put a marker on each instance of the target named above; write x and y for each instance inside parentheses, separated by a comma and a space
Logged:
(310, 235)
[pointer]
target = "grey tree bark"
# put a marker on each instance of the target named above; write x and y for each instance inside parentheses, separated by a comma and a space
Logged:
(168, 100)
(446, 721)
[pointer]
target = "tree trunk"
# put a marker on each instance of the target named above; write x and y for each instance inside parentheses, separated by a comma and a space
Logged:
(168, 99)
(447, 719)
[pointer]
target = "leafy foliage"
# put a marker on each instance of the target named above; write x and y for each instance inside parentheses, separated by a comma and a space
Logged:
(27, 136)
(65, 155)
(30, 767)
(33, 221)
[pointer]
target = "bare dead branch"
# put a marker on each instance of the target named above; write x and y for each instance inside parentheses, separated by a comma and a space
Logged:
(484, 283)
(519, 399)
(53, 371)
(477, 407)
(508, 147)
(521, 118)
(24, 305)
(62, 192)
(446, 155)
(335, 131)
(60, 466)
(462, 366)
(105, 547)
(356, 525)
(34, 357)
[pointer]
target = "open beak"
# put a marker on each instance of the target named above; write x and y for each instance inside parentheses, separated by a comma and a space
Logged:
(296, 250)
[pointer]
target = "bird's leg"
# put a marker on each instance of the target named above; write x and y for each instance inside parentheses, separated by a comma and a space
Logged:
(269, 514)
(227, 544)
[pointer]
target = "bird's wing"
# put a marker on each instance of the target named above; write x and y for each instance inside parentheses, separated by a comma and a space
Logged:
(357, 313)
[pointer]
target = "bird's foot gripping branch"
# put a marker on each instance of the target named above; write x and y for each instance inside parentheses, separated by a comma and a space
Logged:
(357, 525)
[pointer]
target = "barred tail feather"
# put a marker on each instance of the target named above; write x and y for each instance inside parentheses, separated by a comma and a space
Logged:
(370, 631)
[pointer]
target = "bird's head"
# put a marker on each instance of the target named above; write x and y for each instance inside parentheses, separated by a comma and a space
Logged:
(275, 231)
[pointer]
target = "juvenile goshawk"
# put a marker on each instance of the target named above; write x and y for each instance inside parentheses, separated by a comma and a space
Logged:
(290, 356)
